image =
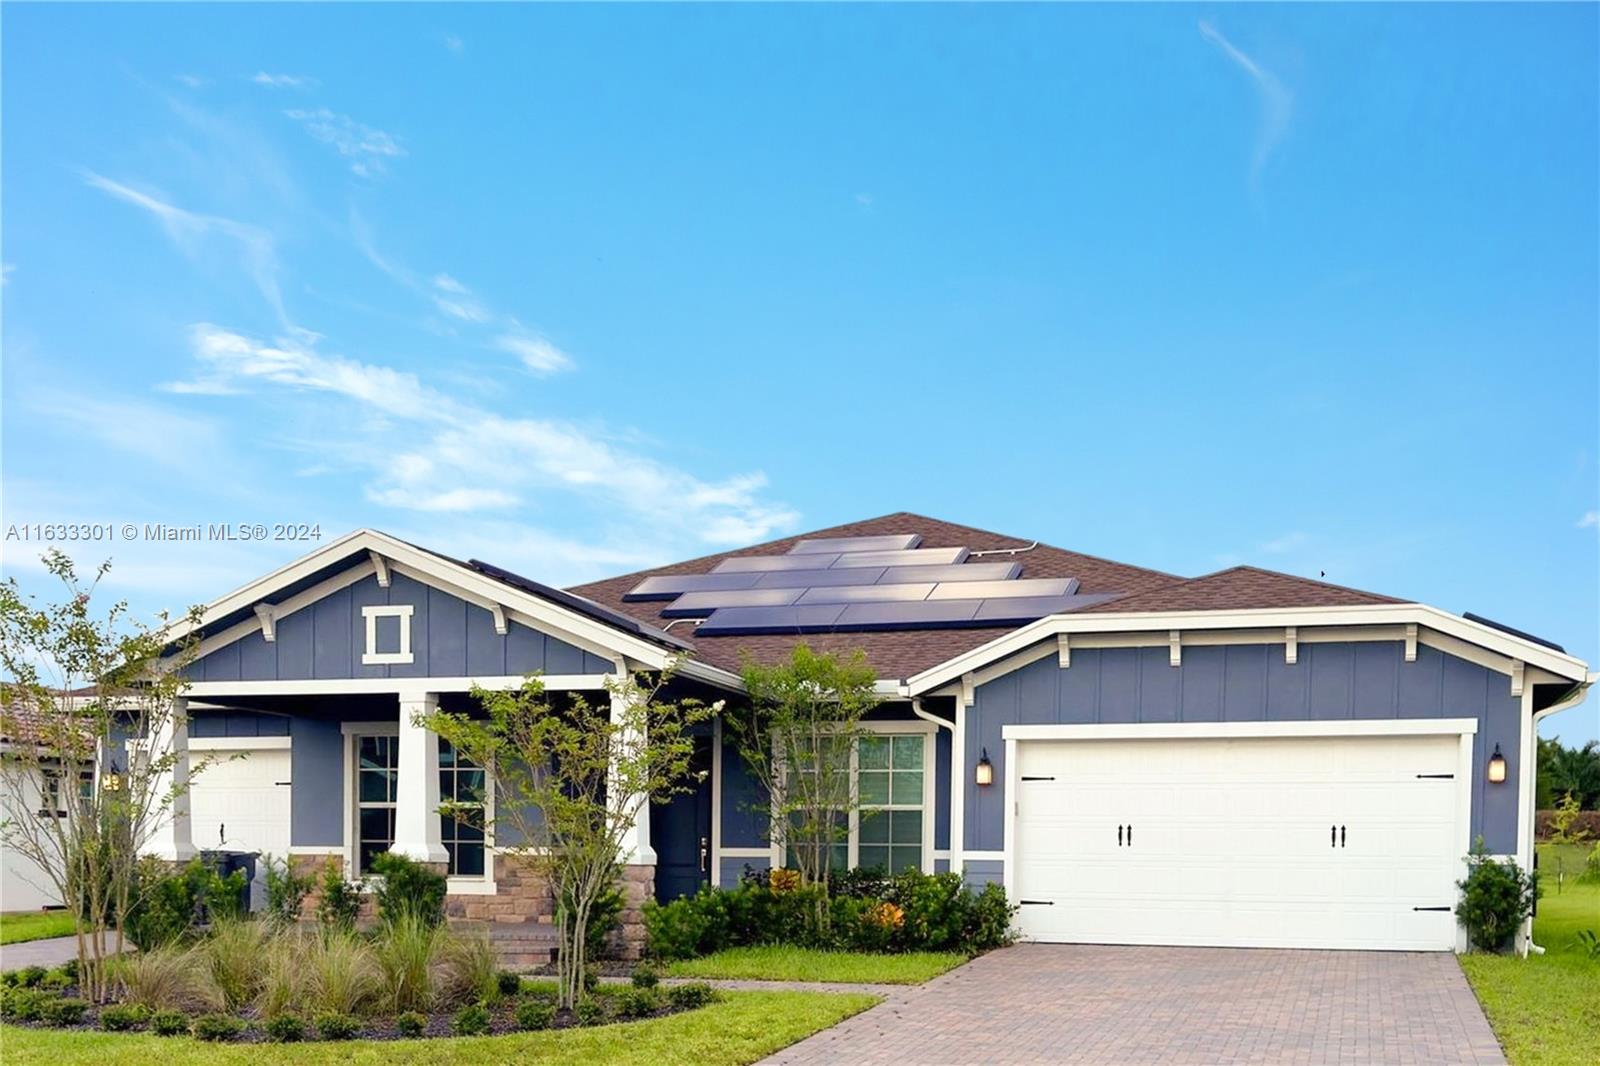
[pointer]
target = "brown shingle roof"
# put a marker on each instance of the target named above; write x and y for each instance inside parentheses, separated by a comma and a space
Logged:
(899, 654)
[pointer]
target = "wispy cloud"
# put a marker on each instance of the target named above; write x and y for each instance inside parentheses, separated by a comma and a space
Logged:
(6, 270)
(167, 438)
(1277, 102)
(193, 81)
(189, 230)
(536, 353)
(365, 146)
(1289, 542)
(454, 43)
(863, 199)
(1590, 520)
(285, 81)
(438, 452)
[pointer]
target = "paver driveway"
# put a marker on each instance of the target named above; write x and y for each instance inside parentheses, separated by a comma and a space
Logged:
(1045, 1003)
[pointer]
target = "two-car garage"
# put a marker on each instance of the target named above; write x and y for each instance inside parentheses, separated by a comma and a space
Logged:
(1338, 835)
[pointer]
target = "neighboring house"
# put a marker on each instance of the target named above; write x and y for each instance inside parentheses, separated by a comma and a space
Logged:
(1244, 758)
(30, 789)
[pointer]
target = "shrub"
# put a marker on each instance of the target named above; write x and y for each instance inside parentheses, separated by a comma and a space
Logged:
(334, 1025)
(122, 1017)
(591, 1010)
(411, 1023)
(406, 887)
(645, 976)
(286, 891)
(341, 974)
(66, 1011)
(861, 882)
(466, 970)
(30, 976)
(691, 995)
(216, 1027)
(285, 1028)
(165, 978)
(170, 903)
(56, 980)
(471, 1021)
(405, 952)
(605, 918)
(508, 983)
(935, 908)
(169, 1023)
(70, 968)
(674, 930)
(230, 959)
(338, 900)
(535, 1014)
(988, 923)
(637, 1002)
(1591, 867)
(1495, 898)
(25, 1004)
(861, 925)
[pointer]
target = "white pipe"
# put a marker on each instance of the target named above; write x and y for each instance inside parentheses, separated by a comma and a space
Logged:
(1577, 695)
(956, 795)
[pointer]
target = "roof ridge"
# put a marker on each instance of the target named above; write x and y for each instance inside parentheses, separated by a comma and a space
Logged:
(1297, 577)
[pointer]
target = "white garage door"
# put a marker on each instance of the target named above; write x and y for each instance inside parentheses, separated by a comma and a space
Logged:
(1326, 842)
(242, 803)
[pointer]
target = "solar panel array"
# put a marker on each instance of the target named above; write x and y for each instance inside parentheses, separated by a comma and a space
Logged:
(844, 584)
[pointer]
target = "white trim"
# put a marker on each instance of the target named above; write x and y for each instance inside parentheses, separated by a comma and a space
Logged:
(1504, 646)
(240, 743)
(371, 656)
(1175, 648)
(403, 686)
(1463, 821)
(1008, 872)
(1516, 679)
(716, 802)
(501, 627)
(1291, 644)
(474, 886)
(316, 849)
(1342, 727)
(1064, 649)
(1411, 642)
(380, 566)
(747, 853)
(958, 788)
(983, 856)
(299, 601)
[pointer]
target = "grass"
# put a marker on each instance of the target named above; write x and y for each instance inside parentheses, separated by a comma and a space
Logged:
(782, 963)
(742, 1028)
(1546, 1008)
(23, 926)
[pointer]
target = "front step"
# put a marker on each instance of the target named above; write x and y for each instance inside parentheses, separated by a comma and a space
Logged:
(520, 945)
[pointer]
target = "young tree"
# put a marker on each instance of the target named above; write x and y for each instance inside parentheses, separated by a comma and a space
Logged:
(88, 709)
(571, 780)
(798, 736)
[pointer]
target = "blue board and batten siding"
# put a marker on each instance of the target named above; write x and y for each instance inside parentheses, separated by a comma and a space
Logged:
(449, 638)
(1245, 683)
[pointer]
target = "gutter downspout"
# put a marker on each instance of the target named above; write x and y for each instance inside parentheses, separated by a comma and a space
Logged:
(956, 795)
(1576, 695)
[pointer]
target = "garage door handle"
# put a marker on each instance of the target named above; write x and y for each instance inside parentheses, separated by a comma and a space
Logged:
(1333, 836)
(1130, 836)
(1341, 836)
(1119, 836)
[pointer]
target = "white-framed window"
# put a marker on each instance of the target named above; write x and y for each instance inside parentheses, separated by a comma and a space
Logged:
(463, 782)
(51, 801)
(377, 787)
(892, 767)
(388, 634)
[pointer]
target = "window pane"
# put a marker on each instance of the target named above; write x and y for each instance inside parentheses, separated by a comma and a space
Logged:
(375, 752)
(873, 788)
(366, 853)
(377, 824)
(468, 860)
(873, 753)
(447, 753)
(469, 786)
(905, 827)
(874, 828)
(906, 859)
(907, 787)
(377, 786)
(873, 857)
(908, 753)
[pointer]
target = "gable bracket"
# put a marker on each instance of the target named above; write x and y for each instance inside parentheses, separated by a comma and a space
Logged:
(968, 695)
(1516, 677)
(381, 565)
(269, 621)
(1411, 642)
(499, 613)
(1291, 644)
(1175, 648)
(1064, 650)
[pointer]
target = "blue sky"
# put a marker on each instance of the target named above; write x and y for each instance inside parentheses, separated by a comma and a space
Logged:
(579, 290)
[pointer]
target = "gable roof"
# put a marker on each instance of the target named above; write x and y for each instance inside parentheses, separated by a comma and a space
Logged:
(900, 654)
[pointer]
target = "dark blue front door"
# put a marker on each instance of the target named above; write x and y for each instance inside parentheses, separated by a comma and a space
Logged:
(680, 831)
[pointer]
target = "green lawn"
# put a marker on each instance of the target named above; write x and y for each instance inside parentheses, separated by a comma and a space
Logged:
(745, 1027)
(1546, 1008)
(782, 963)
(34, 925)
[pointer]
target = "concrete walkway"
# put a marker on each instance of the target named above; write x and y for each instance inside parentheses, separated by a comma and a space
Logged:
(52, 951)
(1044, 1003)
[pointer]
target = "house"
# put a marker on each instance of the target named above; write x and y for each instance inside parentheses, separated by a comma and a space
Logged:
(1245, 758)
(34, 785)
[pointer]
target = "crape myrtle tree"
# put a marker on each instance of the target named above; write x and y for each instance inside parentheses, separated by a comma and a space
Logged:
(571, 780)
(797, 735)
(89, 705)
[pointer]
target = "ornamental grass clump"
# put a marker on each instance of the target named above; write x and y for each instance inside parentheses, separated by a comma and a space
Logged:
(406, 953)
(231, 959)
(465, 970)
(167, 978)
(342, 974)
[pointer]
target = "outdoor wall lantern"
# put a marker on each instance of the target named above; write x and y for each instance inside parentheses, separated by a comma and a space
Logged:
(111, 780)
(985, 772)
(1497, 767)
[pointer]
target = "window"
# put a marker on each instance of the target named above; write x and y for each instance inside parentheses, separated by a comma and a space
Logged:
(50, 802)
(889, 775)
(377, 773)
(840, 858)
(461, 781)
(388, 634)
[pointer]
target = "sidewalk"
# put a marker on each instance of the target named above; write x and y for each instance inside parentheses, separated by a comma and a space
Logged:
(52, 951)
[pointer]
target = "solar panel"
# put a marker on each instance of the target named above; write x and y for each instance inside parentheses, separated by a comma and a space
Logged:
(668, 586)
(700, 604)
(823, 545)
(910, 557)
(973, 590)
(952, 572)
(731, 621)
(800, 579)
(866, 594)
(768, 563)
(1032, 608)
(923, 615)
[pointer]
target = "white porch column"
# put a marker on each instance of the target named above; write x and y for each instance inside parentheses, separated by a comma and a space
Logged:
(635, 846)
(416, 814)
(169, 738)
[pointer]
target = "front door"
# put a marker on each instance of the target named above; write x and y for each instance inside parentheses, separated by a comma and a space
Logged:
(680, 831)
